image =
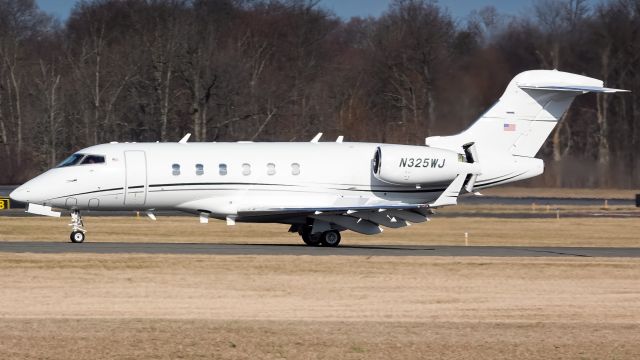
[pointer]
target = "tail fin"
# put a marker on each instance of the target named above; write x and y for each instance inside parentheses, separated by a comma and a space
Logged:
(520, 122)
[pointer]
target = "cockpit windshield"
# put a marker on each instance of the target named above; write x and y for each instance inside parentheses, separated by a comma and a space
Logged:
(82, 159)
(71, 160)
(93, 159)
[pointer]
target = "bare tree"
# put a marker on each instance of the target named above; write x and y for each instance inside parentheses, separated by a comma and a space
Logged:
(413, 38)
(137, 70)
(48, 86)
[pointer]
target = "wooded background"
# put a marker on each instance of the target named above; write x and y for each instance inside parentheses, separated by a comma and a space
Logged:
(227, 70)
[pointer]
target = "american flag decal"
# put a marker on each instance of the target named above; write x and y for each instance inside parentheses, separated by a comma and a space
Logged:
(509, 127)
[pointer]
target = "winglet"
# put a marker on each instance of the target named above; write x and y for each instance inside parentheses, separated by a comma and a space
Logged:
(316, 138)
(185, 139)
(450, 195)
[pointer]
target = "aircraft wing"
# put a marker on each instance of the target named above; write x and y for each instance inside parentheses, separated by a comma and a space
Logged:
(361, 219)
(366, 219)
(448, 197)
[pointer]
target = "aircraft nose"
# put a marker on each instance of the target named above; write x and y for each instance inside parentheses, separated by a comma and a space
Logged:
(20, 194)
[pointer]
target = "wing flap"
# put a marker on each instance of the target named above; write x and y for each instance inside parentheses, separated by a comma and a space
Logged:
(380, 218)
(358, 225)
(408, 215)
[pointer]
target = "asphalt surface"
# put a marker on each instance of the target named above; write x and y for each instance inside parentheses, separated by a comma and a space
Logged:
(284, 249)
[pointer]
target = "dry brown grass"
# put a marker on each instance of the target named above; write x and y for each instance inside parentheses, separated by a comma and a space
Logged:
(515, 191)
(541, 210)
(165, 306)
(70, 339)
(591, 231)
(87, 306)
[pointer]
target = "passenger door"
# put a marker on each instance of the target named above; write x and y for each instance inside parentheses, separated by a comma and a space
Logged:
(135, 188)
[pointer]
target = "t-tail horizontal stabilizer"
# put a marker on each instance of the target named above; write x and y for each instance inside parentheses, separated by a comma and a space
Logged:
(526, 114)
(569, 88)
(450, 195)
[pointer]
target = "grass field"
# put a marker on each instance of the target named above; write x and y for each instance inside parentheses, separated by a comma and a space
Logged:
(229, 307)
(89, 306)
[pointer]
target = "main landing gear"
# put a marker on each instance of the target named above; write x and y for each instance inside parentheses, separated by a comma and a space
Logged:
(77, 227)
(329, 238)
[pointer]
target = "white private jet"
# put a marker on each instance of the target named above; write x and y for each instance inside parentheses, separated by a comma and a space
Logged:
(319, 188)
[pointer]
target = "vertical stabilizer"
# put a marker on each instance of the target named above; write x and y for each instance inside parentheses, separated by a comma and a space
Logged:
(520, 122)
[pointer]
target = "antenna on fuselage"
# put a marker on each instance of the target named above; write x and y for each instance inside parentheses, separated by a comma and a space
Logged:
(316, 138)
(185, 139)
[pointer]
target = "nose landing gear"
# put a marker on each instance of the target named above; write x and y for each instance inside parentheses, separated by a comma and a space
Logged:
(77, 227)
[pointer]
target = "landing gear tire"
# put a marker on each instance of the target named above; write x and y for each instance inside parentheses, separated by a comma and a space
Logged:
(330, 238)
(77, 227)
(311, 240)
(77, 237)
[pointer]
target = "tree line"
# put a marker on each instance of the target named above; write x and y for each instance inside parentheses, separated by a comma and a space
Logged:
(283, 70)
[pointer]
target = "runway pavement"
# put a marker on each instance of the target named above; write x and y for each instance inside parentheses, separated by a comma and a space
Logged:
(283, 249)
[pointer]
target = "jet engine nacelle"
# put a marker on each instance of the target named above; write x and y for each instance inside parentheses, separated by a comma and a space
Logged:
(414, 165)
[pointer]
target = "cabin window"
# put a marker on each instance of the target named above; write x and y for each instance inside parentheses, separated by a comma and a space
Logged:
(175, 169)
(199, 169)
(295, 169)
(246, 169)
(222, 169)
(271, 169)
(93, 159)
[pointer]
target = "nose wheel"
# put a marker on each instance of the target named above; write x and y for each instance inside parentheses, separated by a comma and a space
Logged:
(77, 237)
(77, 227)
